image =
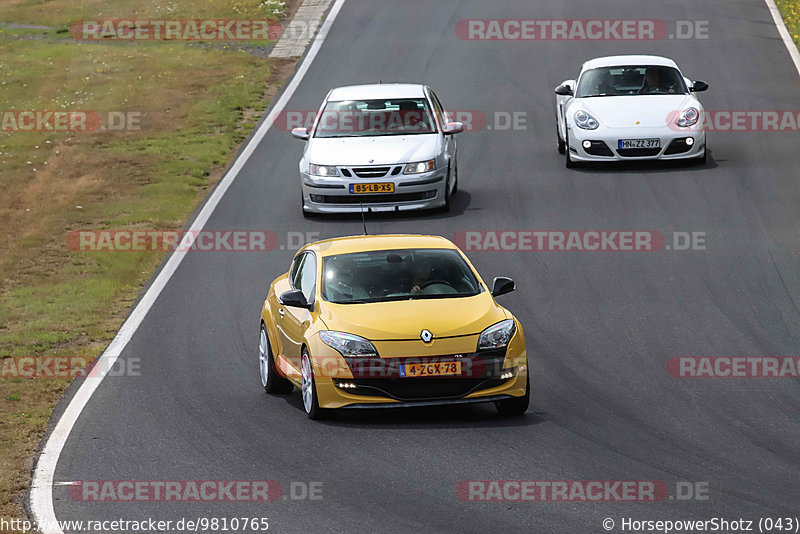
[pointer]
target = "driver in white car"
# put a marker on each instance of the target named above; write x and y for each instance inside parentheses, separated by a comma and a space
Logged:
(654, 83)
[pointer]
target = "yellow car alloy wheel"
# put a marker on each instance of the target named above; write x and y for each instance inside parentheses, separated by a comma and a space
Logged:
(309, 389)
(270, 379)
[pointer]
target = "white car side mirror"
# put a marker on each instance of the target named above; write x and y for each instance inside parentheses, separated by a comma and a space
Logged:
(300, 133)
(567, 88)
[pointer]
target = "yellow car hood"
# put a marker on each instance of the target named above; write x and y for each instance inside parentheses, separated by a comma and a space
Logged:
(405, 319)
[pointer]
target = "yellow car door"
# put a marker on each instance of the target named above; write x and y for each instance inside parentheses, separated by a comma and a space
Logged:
(292, 322)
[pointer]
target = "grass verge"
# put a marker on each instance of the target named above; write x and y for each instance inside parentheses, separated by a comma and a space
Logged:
(195, 105)
(790, 9)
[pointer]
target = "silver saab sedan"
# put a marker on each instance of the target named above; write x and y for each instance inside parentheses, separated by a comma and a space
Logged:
(379, 147)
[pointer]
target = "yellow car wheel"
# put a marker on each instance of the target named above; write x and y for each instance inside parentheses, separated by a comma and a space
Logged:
(309, 388)
(270, 379)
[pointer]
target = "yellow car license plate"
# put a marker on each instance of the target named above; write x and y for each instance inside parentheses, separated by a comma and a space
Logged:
(386, 187)
(432, 369)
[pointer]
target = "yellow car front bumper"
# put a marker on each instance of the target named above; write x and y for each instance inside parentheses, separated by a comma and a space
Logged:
(487, 376)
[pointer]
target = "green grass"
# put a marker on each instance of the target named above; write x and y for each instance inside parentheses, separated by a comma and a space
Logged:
(193, 101)
(790, 9)
(61, 12)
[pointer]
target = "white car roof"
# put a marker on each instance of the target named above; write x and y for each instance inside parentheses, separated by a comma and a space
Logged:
(618, 61)
(378, 90)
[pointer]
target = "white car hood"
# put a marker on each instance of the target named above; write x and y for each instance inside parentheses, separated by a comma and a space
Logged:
(624, 111)
(379, 150)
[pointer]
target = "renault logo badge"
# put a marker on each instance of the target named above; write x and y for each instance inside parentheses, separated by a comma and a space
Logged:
(426, 336)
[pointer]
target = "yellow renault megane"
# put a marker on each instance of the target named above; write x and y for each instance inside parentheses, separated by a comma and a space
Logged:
(390, 321)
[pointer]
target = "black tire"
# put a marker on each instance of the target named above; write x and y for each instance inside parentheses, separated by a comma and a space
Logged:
(273, 383)
(313, 411)
(568, 163)
(447, 194)
(516, 405)
(562, 146)
(306, 214)
(455, 181)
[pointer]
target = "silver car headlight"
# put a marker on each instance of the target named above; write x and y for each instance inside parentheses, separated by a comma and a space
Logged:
(348, 344)
(497, 336)
(421, 166)
(585, 121)
(323, 170)
(688, 117)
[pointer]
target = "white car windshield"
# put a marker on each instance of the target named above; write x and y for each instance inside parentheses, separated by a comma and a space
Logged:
(361, 118)
(630, 80)
(384, 275)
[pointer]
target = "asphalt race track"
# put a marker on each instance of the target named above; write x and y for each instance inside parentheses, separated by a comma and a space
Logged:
(600, 326)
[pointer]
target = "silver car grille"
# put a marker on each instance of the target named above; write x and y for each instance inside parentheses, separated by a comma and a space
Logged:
(371, 172)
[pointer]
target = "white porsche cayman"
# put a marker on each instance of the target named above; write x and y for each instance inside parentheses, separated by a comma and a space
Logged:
(630, 108)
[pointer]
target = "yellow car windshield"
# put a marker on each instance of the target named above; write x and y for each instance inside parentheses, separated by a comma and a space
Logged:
(385, 275)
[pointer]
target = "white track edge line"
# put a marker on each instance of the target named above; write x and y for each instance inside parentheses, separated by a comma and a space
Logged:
(794, 53)
(41, 496)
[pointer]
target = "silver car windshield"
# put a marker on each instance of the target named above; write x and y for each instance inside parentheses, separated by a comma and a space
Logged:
(361, 118)
(630, 80)
(385, 275)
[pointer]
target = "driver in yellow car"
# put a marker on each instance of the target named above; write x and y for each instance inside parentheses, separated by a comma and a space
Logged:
(420, 273)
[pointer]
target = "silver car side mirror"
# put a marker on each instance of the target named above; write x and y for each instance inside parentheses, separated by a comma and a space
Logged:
(453, 128)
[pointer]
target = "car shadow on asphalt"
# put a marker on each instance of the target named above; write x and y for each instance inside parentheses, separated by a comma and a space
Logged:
(648, 167)
(458, 205)
(456, 416)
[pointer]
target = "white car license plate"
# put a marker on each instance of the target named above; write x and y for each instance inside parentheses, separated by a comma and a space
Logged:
(639, 143)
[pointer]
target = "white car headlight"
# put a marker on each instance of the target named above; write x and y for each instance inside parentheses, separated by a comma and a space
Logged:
(323, 170)
(688, 117)
(421, 166)
(348, 344)
(497, 336)
(585, 121)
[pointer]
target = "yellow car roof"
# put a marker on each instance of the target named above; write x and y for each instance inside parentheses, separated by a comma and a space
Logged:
(361, 243)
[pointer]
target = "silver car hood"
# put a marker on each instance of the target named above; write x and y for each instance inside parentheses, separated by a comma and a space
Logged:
(380, 150)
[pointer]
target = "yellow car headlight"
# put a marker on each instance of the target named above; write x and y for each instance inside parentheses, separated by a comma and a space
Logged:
(349, 345)
(497, 336)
